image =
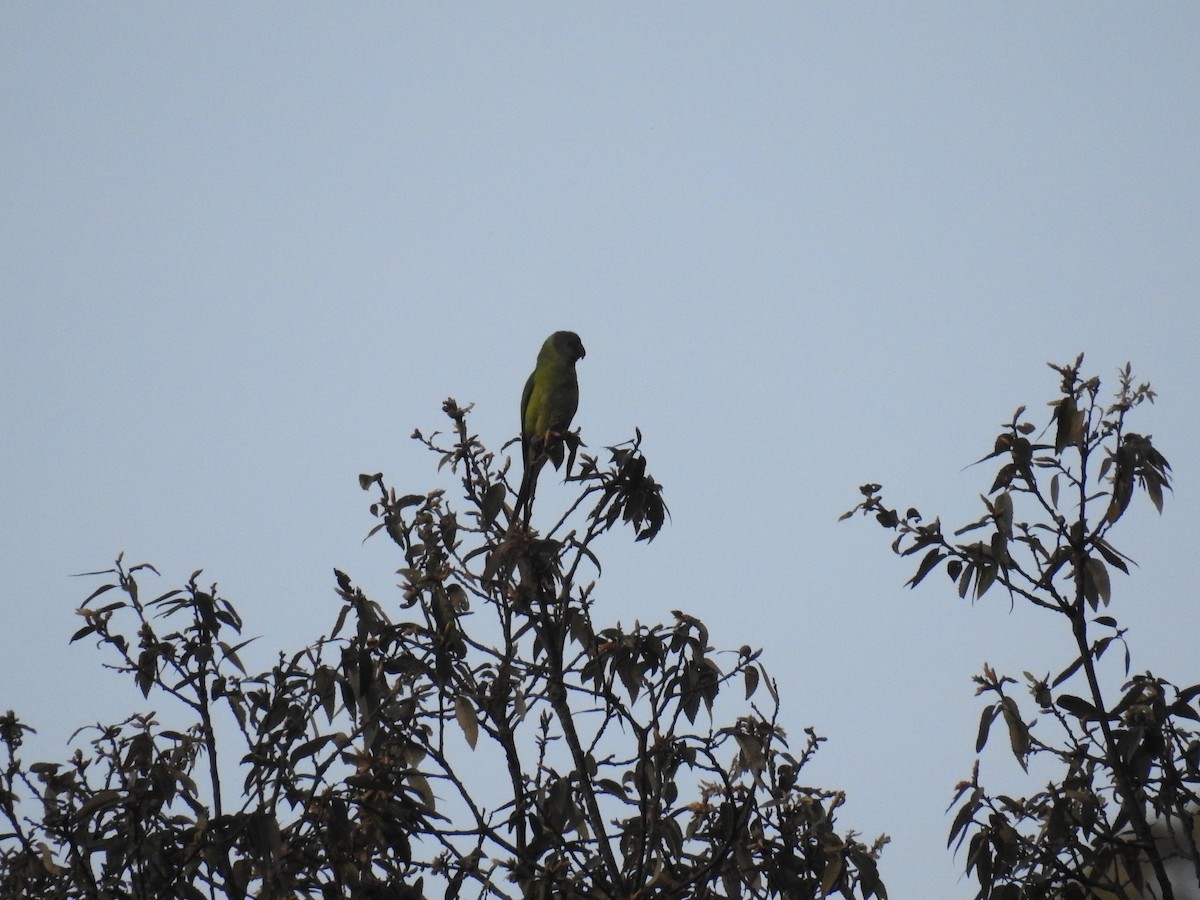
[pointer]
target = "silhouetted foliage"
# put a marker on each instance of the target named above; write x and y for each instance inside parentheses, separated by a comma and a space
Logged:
(478, 735)
(1122, 810)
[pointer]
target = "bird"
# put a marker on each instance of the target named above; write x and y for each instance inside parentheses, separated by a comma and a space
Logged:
(548, 405)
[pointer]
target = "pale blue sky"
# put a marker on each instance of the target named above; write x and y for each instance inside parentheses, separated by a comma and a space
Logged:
(246, 249)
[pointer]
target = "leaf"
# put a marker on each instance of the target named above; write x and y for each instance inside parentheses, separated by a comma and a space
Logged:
(464, 713)
(1096, 585)
(230, 653)
(964, 816)
(772, 689)
(419, 784)
(449, 528)
(1002, 508)
(1004, 477)
(999, 547)
(559, 807)
(1179, 708)
(964, 583)
(928, 564)
(987, 577)
(608, 786)
(1067, 672)
(1154, 489)
(1018, 731)
(630, 674)
(979, 858)
(493, 502)
(1079, 708)
(147, 669)
(325, 685)
(985, 725)
(833, 871)
(1122, 481)
(82, 632)
(752, 752)
(495, 559)
(97, 592)
(308, 748)
(99, 800)
(1070, 424)
(751, 681)
(583, 548)
(47, 857)
(868, 878)
(1187, 694)
(1113, 557)
(341, 620)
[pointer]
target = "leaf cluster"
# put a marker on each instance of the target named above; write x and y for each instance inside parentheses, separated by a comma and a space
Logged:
(1128, 759)
(480, 734)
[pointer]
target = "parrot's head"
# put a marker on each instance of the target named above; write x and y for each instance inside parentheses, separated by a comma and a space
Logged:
(568, 345)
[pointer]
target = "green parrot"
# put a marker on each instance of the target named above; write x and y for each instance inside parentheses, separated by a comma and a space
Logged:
(548, 404)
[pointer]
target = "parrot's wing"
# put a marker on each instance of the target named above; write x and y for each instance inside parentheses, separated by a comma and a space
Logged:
(526, 437)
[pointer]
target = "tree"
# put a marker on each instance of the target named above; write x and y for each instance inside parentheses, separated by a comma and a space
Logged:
(480, 735)
(1122, 812)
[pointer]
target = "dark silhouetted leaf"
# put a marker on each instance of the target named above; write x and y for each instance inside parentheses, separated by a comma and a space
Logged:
(1070, 424)
(464, 713)
(751, 676)
(493, 502)
(1067, 672)
(985, 724)
(1018, 731)
(928, 564)
(1079, 708)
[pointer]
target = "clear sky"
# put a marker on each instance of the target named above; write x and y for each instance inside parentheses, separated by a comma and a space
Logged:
(246, 249)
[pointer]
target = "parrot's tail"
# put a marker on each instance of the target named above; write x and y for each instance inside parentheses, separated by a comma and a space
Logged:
(524, 505)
